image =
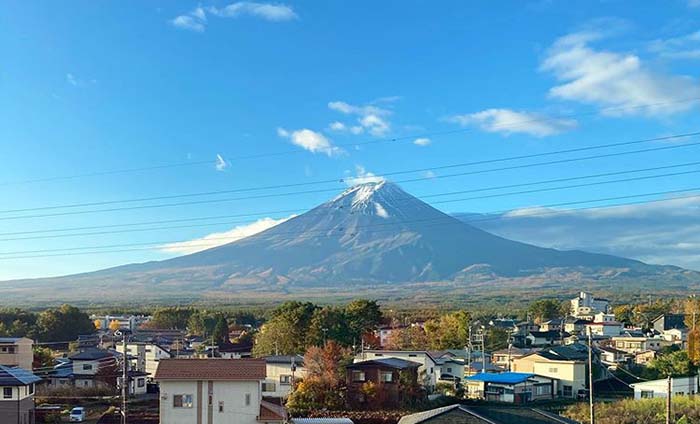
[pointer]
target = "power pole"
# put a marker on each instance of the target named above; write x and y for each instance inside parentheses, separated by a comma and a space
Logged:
(125, 380)
(669, 384)
(590, 376)
(483, 350)
(468, 347)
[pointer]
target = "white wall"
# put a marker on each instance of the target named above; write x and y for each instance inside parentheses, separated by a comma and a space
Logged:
(428, 367)
(659, 388)
(274, 371)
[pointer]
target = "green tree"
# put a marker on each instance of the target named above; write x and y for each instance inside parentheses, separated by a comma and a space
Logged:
(450, 331)
(362, 317)
(63, 324)
(545, 309)
(43, 357)
(330, 323)
(676, 364)
(286, 332)
(171, 318)
(220, 334)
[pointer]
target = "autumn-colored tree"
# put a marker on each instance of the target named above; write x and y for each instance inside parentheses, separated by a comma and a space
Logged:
(450, 331)
(409, 338)
(325, 379)
(97, 323)
(692, 314)
(43, 358)
(114, 325)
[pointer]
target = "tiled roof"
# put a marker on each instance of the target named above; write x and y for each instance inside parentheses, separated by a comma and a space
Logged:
(91, 355)
(425, 416)
(285, 359)
(15, 376)
(211, 369)
(271, 412)
(321, 421)
(394, 363)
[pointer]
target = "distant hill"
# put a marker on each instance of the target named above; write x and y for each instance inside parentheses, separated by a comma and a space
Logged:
(373, 239)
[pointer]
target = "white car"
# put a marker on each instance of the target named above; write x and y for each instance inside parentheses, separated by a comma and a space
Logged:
(77, 414)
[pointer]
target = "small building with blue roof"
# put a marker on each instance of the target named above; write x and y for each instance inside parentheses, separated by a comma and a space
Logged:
(510, 387)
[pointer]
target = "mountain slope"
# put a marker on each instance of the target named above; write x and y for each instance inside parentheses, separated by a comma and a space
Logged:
(373, 233)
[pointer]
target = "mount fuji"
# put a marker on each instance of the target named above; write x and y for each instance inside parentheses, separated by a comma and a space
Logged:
(373, 237)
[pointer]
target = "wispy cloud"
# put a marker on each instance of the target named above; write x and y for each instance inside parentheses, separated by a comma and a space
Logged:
(312, 141)
(507, 121)
(70, 78)
(219, 239)
(196, 20)
(370, 118)
(422, 141)
(267, 11)
(620, 82)
(221, 163)
(73, 80)
(682, 47)
(361, 176)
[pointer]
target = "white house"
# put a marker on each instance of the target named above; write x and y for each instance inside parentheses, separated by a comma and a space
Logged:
(282, 371)
(510, 387)
(88, 363)
(145, 356)
(215, 391)
(680, 386)
(585, 305)
(17, 395)
(427, 373)
(604, 328)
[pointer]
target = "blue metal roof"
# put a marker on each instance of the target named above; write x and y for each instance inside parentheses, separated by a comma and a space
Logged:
(15, 376)
(502, 378)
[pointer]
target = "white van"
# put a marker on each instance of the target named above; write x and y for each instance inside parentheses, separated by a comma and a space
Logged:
(77, 414)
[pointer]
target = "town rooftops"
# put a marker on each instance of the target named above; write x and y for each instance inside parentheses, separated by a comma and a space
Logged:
(235, 347)
(211, 369)
(502, 378)
(394, 363)
(92, 354)
(284, 359)
(572, 352)
(272, 412)
(15, 376)
(376, 352)
(321, 421)
(420, 417)
(15, 340)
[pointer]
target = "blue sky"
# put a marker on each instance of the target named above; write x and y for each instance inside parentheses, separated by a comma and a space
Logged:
(89, 87)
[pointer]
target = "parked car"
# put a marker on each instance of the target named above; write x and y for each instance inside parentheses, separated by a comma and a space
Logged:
(77, 414)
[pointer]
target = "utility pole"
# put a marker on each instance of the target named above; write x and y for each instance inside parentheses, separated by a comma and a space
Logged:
(483, 349)
(468, 347)
(590, 376)
(125, 380)
(669, 384)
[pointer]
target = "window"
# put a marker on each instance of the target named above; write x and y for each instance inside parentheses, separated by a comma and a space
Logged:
(358, 376)
(87, 367)
(268, 387)
(553, 370)
(568, 391)
(543, 390)
(286, 379)
(247, 399)
(141, 382)
(386, 376)
(182, 401)
(7, 392)
(647, 394)
(31, 389)
(412, 355)
(221, 406)
(449, 369)
(378, 354)
(211, 400)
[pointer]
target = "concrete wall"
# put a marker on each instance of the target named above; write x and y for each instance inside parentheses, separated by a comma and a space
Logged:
(22, 356)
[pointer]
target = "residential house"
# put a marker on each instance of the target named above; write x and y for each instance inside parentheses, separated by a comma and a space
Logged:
(507, 324)
(86, 366)
(450, 369)
(644, 357)
(341, 420)
(585, 305)
(16, 352)
(566, 364)
(125, 322)
(680, 386)
(17, 401)
(573, 325)
(388, 375)
(385, 333)
(427, 373)
(215, 391)
(604, 328)
(638, 342)
(144, 356)
(451, 414)
(282, 371)
(551, 325)
(504, 358)
(485, 414)
(611, 356)
(677, 336)
(544, 338)
(510, 387)
(668, 321)
(235, 350)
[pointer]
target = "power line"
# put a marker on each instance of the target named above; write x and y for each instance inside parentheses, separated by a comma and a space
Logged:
(103, 232)
(196, 202)
(350, 144)
(448, 218)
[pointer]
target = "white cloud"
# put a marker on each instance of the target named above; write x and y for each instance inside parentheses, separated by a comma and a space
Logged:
(506, 121)
(221, 163)
(694, 3)
(428, 174)
(312, 141)
(196, 19)
(361, 176)
(192, 21)
(618, 81)
(70, 78)
(682, 47)
(337, 126)
(218, 239)
(422, 141)
(267, 11)
(371, 118)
